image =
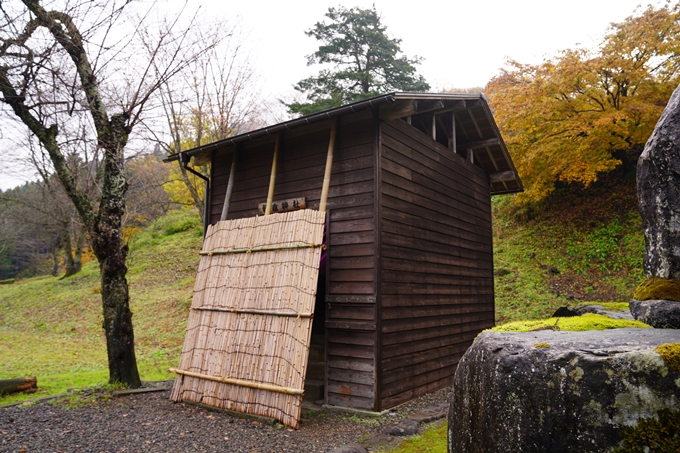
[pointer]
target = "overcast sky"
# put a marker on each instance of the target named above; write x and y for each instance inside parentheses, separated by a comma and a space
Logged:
(463, 43)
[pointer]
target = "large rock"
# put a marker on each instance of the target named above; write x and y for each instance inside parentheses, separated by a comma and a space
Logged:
(662, 314)
(658, 186)
(548, 391)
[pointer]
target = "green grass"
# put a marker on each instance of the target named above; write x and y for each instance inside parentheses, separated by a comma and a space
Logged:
(611, 306)
(51, 328)
(576, 246)
(433, 440)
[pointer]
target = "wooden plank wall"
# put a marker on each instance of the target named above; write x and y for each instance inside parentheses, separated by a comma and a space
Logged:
(436, 262)
(351, 319)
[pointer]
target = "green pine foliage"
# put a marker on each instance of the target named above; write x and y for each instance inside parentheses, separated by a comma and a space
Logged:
(361, 61)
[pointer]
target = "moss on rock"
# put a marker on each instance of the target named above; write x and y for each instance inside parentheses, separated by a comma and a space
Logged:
(654, 435)
(655, 288)
(588, 321)
(612, 306)
(670, 353)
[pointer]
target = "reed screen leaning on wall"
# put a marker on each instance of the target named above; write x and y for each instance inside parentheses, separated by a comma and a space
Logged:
(249, 328)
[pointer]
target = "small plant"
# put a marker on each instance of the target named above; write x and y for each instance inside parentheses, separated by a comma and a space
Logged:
(364, 420)
(432, 440)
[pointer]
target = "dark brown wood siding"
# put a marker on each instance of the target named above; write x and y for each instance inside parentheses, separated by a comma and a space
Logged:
(351, 300)
(436, 268)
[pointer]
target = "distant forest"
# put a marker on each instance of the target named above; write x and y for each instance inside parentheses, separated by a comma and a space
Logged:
(40, 232)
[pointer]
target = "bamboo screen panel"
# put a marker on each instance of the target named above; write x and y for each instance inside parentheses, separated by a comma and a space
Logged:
(249, 327)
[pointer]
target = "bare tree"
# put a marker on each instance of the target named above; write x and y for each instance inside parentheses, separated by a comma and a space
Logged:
(60, 66)
(216, 97)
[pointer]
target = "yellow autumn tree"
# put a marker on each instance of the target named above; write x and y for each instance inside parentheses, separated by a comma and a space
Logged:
(573, 117)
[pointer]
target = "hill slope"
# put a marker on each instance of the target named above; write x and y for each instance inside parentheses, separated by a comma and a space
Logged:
(51, 328)
(579, 245)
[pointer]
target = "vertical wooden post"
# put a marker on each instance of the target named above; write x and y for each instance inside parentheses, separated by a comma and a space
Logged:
(453, 133)
(272, 178)
(329, 166)
(230, 184)
(434, 127)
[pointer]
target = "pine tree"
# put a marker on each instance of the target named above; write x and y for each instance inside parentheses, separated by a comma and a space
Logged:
(364, 61)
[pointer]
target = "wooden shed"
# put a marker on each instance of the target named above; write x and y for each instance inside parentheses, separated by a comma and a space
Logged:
(409, 272)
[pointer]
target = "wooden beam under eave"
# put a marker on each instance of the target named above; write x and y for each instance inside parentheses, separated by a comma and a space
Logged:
(482, 143)
(201, 159)
(502, 176)
(474, 121)
(429, 106)
(493, 161)
(449, 130)
(399, 109)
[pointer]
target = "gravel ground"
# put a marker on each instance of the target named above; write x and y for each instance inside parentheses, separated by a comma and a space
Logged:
(152, 423)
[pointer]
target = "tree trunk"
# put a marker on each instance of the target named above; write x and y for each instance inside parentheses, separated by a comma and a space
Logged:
(74, 259)
(55, 260)
(68, 252)
(78, 257)
(107, 242)
(120, 339)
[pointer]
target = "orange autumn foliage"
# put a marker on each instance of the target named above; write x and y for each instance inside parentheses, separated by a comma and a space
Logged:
(564, 119)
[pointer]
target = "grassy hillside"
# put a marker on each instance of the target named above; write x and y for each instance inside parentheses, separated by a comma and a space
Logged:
(578, 245)
(51, 328)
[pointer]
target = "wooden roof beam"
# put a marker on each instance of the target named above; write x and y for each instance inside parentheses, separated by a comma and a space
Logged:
(474, 121)
(428, 106)
(502, 176)
(399, 109)
(402, 109)
(481, 143)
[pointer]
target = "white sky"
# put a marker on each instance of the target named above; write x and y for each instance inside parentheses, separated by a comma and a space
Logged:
(463, 42)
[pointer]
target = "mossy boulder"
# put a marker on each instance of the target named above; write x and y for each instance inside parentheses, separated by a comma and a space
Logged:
(658, 188)
(662, 314)
(557, 391)
(618, 310)
(656, 288)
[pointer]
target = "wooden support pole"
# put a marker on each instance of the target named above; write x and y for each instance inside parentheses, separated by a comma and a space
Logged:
(434, 127)
(257, 312)
(272, 178)
(329, 166)
(241, 383)
(261, 249)
(230, 184)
